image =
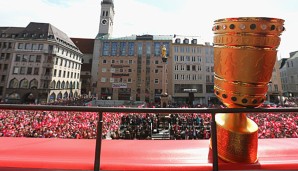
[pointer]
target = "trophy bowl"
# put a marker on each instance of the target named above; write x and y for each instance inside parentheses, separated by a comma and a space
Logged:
(244, 57)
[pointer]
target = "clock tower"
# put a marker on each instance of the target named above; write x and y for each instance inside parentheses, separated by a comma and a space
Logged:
(106, 18)
(106, 23)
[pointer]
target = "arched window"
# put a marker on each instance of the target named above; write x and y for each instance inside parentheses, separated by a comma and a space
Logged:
(59, 96)
(76, 94)
(53, 97)
(33, 84)
(67, 84)
(63, 85)
(24, 83)
(58, 85)
(14, 83)
(65, 96)
(53, 84)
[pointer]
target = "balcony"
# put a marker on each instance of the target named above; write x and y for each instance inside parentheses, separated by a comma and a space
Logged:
(72, 154)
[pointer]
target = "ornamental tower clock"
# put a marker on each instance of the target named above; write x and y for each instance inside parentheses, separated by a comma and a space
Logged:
(106, 18)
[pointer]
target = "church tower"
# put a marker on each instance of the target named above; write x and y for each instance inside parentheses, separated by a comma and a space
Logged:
(105, 31)
(106, 18)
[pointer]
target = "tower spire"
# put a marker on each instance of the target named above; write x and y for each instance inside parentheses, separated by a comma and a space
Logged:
(106, 18)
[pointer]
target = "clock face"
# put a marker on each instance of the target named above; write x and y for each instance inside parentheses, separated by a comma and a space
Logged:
(104, 21)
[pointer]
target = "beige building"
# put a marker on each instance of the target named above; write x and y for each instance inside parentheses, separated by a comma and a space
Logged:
(193, 69)
(130, 68)
(44, 64)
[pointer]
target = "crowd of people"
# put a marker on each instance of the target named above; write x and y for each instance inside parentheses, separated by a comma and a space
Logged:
(83, 125)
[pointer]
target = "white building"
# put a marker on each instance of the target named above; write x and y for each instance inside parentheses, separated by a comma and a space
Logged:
(44, 65)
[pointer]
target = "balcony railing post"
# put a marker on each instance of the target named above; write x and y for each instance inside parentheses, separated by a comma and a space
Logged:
(214, 143)
(98, 143)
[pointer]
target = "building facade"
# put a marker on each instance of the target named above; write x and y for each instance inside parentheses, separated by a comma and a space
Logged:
(130, 68)
(193, 72)
(289, 75)
(275, 91)
(86, 47)
(44, 65)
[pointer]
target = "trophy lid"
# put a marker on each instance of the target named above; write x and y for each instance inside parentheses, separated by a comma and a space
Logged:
(251, 25)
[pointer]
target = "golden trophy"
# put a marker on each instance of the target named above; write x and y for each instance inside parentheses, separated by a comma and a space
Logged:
(244, 57)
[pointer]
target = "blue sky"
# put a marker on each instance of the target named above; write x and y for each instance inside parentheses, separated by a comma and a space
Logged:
(80, 18)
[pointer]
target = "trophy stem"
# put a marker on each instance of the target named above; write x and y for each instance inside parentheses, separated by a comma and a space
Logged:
(237, 138)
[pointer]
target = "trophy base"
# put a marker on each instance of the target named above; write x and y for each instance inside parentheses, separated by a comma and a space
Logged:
(237, 138)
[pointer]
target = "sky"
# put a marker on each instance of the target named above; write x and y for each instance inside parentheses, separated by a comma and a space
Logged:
(80, 18)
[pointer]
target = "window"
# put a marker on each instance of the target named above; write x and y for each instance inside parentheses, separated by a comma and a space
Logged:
(25, 58)
(187, 67)
(20, 46)
(34, 47)
(129, 70)
(55, 72)
(130, 61)
(2, 56)
(121, 61)
(207, 78)
(156, 61)
(104, 61)
(16, 70)
(27, 46)
(111, 80)
(156, 81)
(156, 71)
(18, 58)
(24, 83)
(3, 78)
(59, 75)
(148, 48)
(105, 51)
(32, 58)
(36, 71)
(103, 79)
(112, 61)
(114, 49)
(129, 80)
(157, 48)
(176, 58)
(7, 56)
(40, 47)
(140, 49)
(131, 48)
(23, 70)
(122, 48)
(193, 67)
(103, 69)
